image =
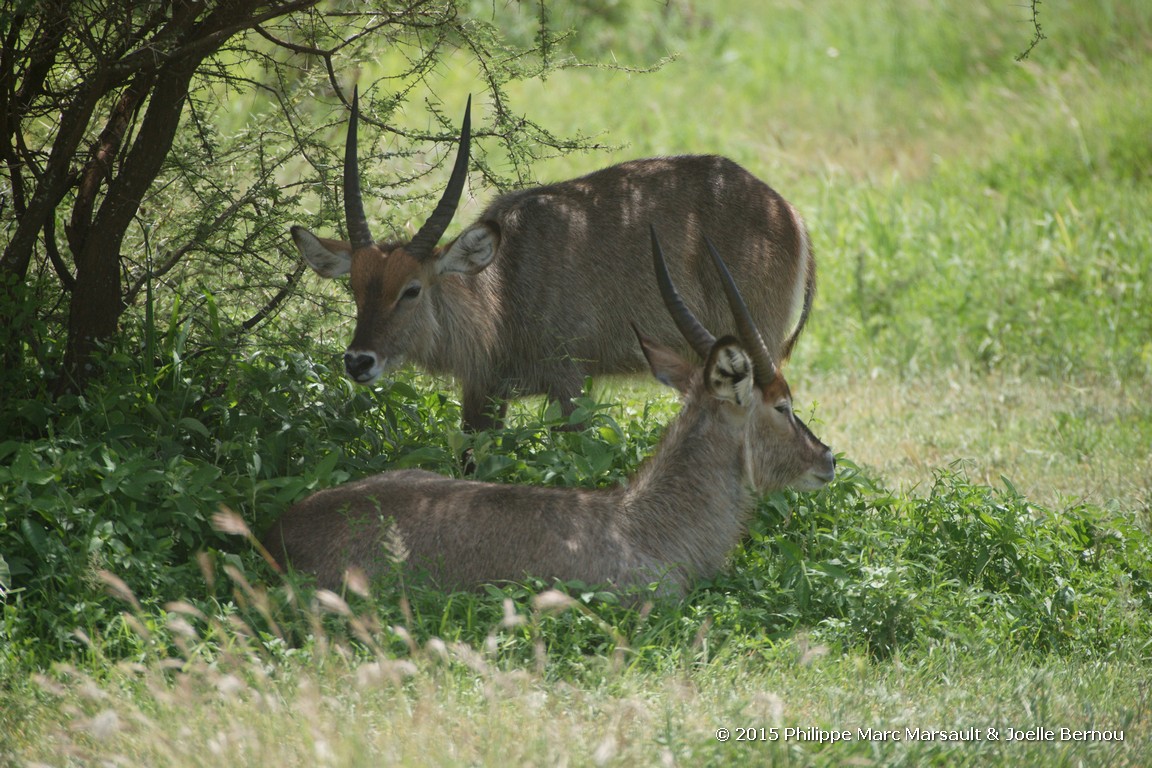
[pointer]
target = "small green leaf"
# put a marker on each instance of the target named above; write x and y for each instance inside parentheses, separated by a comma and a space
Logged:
(194, 425)
(36, 536)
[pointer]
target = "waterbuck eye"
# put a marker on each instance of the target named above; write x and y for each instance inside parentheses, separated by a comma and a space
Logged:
(784, 408)
(411, 291)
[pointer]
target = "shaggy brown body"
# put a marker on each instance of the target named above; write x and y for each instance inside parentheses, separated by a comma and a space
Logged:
(539, 292)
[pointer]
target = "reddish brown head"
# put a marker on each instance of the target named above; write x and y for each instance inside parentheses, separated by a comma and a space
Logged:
(388, 281)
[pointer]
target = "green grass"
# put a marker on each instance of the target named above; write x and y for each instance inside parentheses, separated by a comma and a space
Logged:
(980, 355)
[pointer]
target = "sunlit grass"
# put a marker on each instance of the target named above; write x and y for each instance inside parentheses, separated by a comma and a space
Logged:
(450, 703)
(1056, 442)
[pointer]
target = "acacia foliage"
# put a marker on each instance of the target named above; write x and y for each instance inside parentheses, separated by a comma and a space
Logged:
(153, 153)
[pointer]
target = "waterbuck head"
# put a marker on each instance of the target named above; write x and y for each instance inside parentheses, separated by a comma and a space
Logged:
(389, 280)
(746, 386)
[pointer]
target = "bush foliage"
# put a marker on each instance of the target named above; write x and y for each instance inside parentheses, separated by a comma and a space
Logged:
(127, 479)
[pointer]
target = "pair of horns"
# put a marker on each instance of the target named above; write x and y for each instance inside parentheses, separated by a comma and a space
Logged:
(763, 368)
(425, 240)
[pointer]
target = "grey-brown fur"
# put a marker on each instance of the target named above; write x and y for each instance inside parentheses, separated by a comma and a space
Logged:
(570, 272)
(736, 435)
(676, 520)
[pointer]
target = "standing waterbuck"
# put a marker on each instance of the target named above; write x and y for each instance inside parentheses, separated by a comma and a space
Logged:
(676, 520)
(540, 291)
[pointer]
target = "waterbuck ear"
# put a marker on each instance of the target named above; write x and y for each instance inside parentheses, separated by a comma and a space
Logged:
(471, 252)
(728, 372)
(328, 258)
(668, 367)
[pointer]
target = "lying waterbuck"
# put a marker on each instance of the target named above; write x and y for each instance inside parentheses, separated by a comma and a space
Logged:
(540, 291)
(676, 519)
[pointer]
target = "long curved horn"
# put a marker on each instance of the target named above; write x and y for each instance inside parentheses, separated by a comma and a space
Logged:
(764, 370)
(425, 240)
(690, 328)
(353, 205)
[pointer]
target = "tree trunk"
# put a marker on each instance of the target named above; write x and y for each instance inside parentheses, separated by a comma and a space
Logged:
(97, 297)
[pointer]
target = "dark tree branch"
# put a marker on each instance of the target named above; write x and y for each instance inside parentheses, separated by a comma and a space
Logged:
(307, 50)
(264, 312)
(99, 167)
(53, 184)
(66, 278)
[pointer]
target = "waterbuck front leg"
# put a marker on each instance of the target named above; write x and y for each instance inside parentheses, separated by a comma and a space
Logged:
(482, 409)
(566, 385)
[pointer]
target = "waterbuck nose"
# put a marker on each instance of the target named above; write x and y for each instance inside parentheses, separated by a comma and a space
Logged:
(359, 365)
(829, 472)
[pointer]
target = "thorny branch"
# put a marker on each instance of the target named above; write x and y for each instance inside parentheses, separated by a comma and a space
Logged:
(1037, 31)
